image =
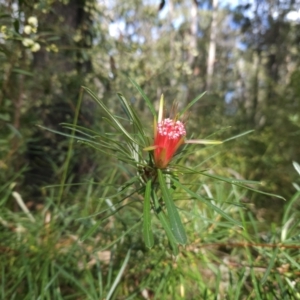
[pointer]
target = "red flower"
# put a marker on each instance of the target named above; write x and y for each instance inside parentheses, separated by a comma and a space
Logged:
(169, 135)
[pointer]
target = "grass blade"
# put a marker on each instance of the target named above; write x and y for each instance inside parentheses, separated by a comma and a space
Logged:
(91, 230)
(270, 266)
(72, 278)
(70, 149)
(118, 278)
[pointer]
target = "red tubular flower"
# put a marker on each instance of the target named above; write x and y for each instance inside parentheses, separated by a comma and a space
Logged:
(169, 135)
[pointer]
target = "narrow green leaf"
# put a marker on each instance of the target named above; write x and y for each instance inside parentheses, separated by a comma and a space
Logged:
(84, 129)
(138, 124)
(133, 117)
(72, 278)
(78, 130)
(191, 104)
(102, 145)
(67, 134)
(14, 130)
(112, 152)
(148, 102)
(294, 262)
(175, 222)
(296, 166)
(111, 116)
(91, 230)
(238, 136)
(126, 107)
(237, 289)
(147, 230)
(164, 282)
(232, 180)
(289, 208)
(208, 203)
(217, 132)
(270, 266)
(243, 184)
(70, 149)
(120, 237)
(166, 225)
(203, 142)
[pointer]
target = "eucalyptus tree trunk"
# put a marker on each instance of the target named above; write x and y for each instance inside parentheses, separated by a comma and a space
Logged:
(193, 34)
(255, 89)
(212, 46)
(192, 49)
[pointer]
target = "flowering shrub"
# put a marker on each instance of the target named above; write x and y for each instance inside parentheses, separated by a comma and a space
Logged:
(157, 172)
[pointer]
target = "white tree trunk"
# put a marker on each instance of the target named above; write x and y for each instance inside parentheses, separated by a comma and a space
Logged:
(194, 32)
(212, 45)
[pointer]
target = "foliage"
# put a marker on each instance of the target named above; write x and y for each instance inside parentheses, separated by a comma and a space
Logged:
(85, 237)
(71, 252)
(155, 179)
(254, 84)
